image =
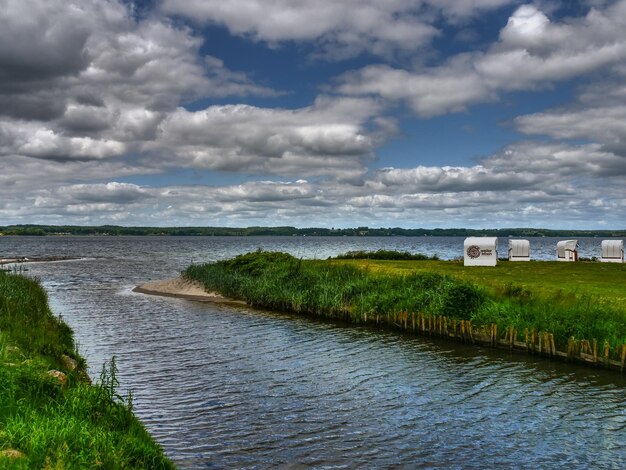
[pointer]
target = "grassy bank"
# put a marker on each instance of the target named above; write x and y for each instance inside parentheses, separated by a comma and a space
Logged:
(565, 312)
(51, 416)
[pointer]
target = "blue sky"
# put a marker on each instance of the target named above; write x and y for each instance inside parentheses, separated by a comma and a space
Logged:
(411, 113)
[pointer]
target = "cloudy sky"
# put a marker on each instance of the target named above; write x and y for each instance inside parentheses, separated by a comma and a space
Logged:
(333, 113)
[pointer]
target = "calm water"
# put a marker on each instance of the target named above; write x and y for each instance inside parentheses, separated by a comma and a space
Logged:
(224, 387)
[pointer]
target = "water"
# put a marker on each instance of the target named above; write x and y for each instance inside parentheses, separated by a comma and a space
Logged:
(229, 387)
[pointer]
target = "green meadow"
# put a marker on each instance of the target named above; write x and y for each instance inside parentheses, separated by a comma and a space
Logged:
(51, 415)
(571, 301)
(604, 281)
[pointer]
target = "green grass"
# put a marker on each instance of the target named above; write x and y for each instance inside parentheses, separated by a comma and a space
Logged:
(55, 425)
(386, 255)
(583, 300)
(604, 281)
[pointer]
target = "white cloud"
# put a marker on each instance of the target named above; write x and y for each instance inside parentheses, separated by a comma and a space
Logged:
(83, 79)
(525, 184)
(532, 53)
(598, 116)
(34, 140)
(438, 90)
(339, 29)
(99, 101)
(329, 137)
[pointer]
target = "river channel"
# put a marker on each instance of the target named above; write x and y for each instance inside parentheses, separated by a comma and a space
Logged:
(230, 387)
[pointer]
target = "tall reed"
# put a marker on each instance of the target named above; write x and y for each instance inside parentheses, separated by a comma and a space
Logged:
(339, 290)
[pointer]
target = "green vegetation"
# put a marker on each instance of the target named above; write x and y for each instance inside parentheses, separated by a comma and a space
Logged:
(293, 231)
(603, 281)
(50, 414)
(386, 255)
(560, 298)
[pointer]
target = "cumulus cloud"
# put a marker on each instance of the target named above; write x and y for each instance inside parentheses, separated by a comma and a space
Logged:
(528, 183)
(598, 115)
(92, 97)
(33, 140)
(328, 137)
(532, 52)
(339, 29)
(84, 79)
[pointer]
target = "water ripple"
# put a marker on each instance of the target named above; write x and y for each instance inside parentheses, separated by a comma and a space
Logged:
(227, 387)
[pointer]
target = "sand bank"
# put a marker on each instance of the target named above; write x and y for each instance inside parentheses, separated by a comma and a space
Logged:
(182, 288)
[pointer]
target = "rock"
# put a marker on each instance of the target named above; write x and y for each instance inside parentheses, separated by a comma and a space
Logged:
(11, 453)
(69, 363)
(57, 374)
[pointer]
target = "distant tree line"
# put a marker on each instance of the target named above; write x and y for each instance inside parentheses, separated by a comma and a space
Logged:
(42, 230)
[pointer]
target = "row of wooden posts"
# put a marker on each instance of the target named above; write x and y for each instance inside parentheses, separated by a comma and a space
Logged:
(535, 342)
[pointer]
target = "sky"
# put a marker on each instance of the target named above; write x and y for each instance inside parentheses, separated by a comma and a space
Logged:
(325, 113)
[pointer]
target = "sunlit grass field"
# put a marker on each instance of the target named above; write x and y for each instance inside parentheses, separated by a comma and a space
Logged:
(605, 281)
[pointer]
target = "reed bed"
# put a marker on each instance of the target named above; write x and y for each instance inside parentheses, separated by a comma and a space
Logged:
(429, 303)
(51, 416)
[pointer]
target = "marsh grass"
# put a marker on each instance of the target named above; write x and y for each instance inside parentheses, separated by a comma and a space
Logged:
(55, 425)
(375, 291)
(336, 290)
(386, 255)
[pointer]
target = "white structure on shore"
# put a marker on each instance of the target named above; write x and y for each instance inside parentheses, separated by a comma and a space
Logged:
(481, 251)
(567, 250)
(612, 251)
(519, 250)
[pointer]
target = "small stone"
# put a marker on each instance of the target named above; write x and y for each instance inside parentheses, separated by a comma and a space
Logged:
(11, 453)
(57, 374)
(69, 363)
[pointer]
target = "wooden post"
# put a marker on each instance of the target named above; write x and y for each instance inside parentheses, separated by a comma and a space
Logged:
(569, 347)
(526, 338)
(595, 350)
(532, 340)
(623, 356)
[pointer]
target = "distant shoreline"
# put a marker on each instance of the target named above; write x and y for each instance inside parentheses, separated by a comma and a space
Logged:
(112, 230)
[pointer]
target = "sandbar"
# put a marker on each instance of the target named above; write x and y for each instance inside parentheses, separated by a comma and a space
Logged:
(182, 288)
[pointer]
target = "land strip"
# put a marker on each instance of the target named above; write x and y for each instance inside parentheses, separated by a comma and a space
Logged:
(573, 311)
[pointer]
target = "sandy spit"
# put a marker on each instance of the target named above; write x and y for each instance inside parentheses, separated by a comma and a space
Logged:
(183, 289)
